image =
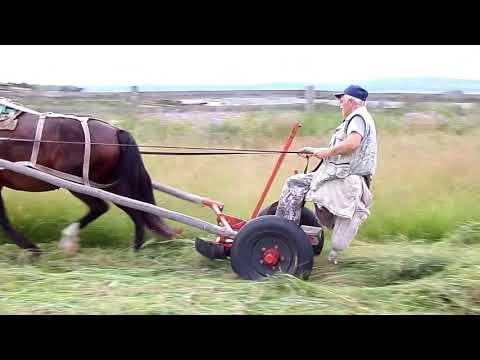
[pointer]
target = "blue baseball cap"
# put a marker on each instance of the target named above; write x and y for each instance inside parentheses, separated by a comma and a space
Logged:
(355, 91)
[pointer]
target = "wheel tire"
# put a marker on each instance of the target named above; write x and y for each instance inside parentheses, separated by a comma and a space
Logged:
(308, 218)
(267, 232)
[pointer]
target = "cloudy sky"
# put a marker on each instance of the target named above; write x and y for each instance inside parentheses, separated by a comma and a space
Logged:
(232, 64)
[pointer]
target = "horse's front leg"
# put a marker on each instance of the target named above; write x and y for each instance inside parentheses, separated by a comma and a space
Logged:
(18, 238)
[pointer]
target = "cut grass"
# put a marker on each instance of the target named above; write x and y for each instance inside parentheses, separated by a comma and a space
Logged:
(171, 278)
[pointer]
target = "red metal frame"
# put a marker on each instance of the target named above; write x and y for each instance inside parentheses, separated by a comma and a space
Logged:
(234, 223)
(293, 133)
(210, 203)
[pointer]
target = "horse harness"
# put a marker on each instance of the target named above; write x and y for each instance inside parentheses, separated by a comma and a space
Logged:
(37, 142)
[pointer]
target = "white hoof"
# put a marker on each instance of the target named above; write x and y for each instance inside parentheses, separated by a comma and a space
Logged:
(70, 241)
(68, 245)
(72, 230)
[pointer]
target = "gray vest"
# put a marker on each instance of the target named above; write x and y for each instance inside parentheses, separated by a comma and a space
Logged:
(362, 162)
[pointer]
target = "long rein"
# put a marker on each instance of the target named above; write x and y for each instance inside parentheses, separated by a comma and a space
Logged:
(216, 151)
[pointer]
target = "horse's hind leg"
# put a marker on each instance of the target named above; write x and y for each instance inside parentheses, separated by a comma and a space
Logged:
(97, 206)
(71, 234)
(137, 218)
(15, 236)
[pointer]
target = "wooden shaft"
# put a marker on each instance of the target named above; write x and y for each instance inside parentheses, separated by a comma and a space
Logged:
(117, 199)
(184, 195)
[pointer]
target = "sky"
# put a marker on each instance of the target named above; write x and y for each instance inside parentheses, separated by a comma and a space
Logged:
(232, 64)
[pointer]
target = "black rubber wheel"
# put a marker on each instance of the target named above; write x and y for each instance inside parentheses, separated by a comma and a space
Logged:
(308, 218)
(269, 232)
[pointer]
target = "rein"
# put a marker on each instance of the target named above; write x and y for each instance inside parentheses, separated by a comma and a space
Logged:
(217, 151)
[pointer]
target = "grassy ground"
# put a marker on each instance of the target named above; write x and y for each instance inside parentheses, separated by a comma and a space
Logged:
(171, 278)
(419, 251)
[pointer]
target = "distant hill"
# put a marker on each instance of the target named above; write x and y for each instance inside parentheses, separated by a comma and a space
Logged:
(405, 85)
(37, 87)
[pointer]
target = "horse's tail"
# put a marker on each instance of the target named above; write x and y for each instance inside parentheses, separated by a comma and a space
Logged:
(135, 182)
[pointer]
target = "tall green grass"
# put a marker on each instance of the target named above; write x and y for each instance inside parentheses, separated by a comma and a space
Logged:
(426, 184)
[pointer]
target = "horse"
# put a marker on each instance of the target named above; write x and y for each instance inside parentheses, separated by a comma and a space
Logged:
(115, 160)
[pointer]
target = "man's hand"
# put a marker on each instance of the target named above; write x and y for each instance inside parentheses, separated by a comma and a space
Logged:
(320, 153)
(306, 152)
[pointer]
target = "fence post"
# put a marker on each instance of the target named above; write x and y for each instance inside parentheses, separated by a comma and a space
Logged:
(134, 94)
(309, 97)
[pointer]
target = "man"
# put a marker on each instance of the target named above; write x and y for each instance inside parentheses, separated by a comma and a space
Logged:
(340, 187)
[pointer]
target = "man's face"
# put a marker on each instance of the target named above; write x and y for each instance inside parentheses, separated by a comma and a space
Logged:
(346, 106)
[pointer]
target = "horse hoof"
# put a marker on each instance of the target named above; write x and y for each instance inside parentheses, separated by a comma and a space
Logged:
(69, 245)
(175, 234)
(71, 250)
(30, 254)
(34, 251)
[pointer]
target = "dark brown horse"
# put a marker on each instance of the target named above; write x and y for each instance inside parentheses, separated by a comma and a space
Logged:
(120, 165)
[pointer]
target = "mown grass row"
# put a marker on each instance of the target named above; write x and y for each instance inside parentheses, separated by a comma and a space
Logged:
(171, 278)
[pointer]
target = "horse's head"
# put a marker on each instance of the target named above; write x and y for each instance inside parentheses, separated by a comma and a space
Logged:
(9, 105)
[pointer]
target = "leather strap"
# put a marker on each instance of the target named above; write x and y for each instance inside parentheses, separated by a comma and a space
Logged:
(86, 155)
(38, 137)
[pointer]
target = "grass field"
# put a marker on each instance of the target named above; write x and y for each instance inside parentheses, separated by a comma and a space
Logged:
(419, 251)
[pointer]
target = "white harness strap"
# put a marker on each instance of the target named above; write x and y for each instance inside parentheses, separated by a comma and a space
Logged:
(86, 156)
(38, 137)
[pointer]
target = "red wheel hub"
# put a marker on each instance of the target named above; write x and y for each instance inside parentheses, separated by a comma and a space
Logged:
(271, 257)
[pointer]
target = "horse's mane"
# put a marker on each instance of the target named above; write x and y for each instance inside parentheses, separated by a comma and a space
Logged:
(14, 105)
